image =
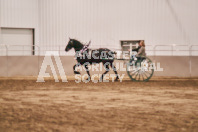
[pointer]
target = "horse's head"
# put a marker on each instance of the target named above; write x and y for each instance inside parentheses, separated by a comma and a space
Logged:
(70, 45)
(73, 44)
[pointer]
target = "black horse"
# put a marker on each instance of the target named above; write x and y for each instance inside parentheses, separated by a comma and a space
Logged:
(83, 57)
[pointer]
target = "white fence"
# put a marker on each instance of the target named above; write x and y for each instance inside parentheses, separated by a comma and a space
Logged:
(176, 60)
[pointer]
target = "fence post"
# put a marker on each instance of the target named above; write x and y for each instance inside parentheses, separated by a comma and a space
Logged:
(59, 50)
(190, 63)
(154, 49)
(7, 59)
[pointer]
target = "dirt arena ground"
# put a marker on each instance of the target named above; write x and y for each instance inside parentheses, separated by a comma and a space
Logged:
(162, 104)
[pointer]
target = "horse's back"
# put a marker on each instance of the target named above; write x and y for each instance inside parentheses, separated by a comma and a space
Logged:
(102, 55)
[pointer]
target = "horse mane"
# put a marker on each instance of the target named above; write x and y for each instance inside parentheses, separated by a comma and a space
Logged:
(78, 42)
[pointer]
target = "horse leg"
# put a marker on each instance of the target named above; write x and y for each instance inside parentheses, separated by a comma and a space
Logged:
(87, 70)
(106, 65)
(74, 68)
(115, 71)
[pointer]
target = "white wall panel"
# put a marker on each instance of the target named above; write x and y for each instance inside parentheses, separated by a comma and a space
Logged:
(18, 41)
(19, 14)
(105, 22)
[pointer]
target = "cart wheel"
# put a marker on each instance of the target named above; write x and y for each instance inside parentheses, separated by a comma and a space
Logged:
(140, 70)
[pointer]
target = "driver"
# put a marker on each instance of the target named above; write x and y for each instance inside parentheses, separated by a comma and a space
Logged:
(140, 52)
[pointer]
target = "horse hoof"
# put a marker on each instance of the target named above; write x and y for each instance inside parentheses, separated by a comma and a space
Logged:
(76, 72)
(88, 79)
(116, 79)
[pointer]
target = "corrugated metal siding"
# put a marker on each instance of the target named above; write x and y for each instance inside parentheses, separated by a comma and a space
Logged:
(105, 22)
(19, 13)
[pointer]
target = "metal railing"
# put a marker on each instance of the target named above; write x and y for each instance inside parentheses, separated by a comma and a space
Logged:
(170, 52)
(150, 49)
